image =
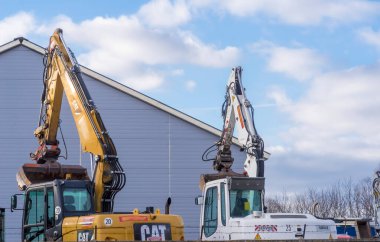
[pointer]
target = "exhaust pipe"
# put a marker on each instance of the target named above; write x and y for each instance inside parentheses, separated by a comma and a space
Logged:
(167, 205)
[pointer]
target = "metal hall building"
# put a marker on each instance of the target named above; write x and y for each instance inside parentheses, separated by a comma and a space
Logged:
(160, 148)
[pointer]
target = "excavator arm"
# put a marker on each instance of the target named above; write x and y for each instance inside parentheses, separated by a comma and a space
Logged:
(62, 74)
(237, 113)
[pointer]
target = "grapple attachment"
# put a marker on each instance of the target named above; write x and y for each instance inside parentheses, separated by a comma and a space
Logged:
(36, 173)
(214, 176)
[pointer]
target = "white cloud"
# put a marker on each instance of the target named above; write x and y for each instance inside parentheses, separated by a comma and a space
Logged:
(277, 149)
(333, 124)
(145, 80)
(177, 72)
(16, 25)
(128, 51)
(370, 36)
(298, 63)
(337, 117)
(208, 55)
(191, 85)
(300, 12)
(164, 13)
(279, 97)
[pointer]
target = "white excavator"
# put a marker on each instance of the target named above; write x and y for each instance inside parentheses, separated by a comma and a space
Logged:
(232, 205)
(376, 201)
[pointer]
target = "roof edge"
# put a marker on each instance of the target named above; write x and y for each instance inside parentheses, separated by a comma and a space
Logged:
(10, 45)
(150, 101)
(33, 46)
(176, 113)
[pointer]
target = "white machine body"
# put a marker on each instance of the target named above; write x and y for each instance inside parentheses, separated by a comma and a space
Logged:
(232, 209)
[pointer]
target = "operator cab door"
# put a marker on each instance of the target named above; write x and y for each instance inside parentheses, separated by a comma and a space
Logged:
(214, 217)
(38, 219)
(210, 214)
(224, 229)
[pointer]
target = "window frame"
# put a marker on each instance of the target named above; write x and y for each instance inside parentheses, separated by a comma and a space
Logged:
(223, 205)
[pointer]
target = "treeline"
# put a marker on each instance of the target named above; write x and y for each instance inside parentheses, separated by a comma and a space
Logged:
(343, 199)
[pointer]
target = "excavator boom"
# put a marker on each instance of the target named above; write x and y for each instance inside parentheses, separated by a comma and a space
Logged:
(237, 113)
(62, 75)
(61, 203)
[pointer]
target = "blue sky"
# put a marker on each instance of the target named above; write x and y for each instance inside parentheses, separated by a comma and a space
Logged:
(311, 69)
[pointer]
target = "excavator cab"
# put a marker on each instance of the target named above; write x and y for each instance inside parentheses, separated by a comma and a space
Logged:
(228, 200)
(46, 205)
(64, 210)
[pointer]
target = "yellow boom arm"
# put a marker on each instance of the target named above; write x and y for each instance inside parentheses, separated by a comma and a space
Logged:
(62, 74)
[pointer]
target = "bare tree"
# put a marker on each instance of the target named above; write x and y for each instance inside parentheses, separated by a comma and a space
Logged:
(342, 199)
(279, 204)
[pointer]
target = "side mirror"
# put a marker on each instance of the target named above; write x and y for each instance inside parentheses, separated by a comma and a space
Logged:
(14, 202)
(199, 200)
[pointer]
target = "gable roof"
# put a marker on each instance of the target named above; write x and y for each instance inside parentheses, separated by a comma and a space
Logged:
(21, 41)
(176, 113)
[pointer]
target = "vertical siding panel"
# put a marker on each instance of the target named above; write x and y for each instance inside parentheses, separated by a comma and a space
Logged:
(20, 72)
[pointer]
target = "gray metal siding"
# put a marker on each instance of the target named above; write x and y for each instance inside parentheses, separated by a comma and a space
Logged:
(20, 88)
(160, 153)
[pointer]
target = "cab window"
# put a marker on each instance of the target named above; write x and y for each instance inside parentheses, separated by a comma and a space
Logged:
(34, 215)
(50, 208)
(223, 203)
(244, 202)
(76, 200)
(211, 211)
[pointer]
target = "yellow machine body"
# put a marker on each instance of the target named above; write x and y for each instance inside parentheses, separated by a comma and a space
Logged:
(123, 227)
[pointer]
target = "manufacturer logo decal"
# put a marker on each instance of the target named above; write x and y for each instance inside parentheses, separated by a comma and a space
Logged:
(266, 228)
(152, 232)
(85, 235)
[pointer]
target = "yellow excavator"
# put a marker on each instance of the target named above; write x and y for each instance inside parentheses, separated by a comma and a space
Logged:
(61, 202)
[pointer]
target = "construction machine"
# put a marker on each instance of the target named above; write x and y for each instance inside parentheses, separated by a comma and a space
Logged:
(376, 201)
(61, 202)
(232, 204)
